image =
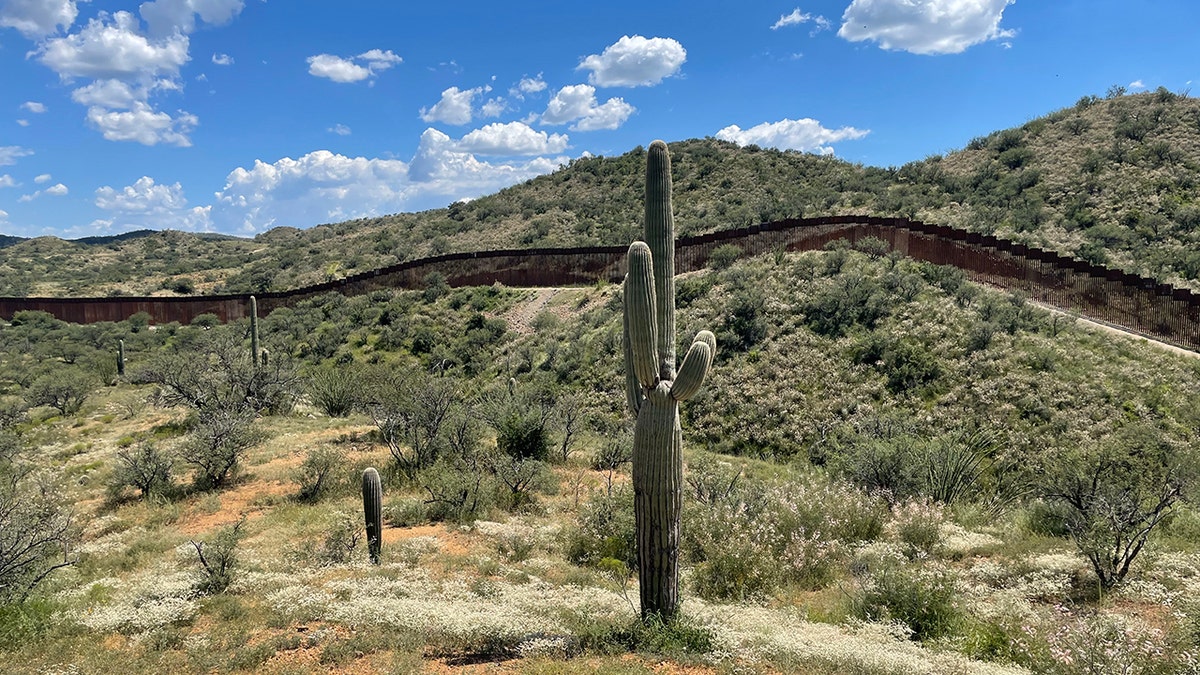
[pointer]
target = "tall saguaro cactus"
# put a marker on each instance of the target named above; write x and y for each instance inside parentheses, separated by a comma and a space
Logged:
(254, 353)
(654, 389)
(372, 493)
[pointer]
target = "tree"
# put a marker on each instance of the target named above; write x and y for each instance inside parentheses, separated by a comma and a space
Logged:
(35, 532)
(410, 408)
(64, 389)
(218, 443)
(1116, 492)
(146, 469)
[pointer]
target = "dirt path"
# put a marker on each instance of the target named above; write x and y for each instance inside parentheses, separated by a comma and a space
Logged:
(520, 318)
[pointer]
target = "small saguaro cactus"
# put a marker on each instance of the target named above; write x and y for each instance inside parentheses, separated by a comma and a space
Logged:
(254, 353)
(372, 491)
(120, 358)
(654, 389)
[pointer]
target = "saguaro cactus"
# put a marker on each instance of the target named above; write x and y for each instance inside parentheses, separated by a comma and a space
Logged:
(120, 358)
(654, 390)
(254, 353)
(372, 491)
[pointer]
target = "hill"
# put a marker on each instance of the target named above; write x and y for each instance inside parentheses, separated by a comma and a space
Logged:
(817, 535)
(1108, 180)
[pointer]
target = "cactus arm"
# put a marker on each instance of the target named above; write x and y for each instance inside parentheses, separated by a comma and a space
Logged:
(692, 371)
(640, 315)
(633, 388)
(660, 235)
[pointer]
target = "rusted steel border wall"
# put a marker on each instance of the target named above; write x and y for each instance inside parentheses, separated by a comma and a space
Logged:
(1127, 300)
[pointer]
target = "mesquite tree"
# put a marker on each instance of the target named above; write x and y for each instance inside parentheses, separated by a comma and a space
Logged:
(654, 390)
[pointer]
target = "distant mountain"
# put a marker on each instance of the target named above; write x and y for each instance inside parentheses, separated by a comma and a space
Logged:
(1110, 180)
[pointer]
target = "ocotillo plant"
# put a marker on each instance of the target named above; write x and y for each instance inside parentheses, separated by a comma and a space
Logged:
(372, 491)
(654, 390)
(254, 357)
(120, 358)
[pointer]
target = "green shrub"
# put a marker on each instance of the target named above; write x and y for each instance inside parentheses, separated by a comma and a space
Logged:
(322, 472)
(218, 559)
(922, 599)
(722, 257)
(334, 390)
(605, 530)
(146, 469)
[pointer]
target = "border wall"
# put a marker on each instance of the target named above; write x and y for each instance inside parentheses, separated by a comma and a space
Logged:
(1129, 301)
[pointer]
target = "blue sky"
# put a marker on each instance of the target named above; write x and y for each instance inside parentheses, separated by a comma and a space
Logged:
(237, 116)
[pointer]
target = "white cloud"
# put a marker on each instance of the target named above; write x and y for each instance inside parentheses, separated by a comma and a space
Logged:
(147, 204)
(56, 190)
(42, 178)
(513, 138)
(339, 129)
(806, 135)
(379, 60)
(6, 181)
(143, 125)
(108, 94)
(325, 187)
(493, 108)
(797, 18)
(530, 85)
(1137, 84)
(3, 216)
(454, 106)
(336, 68)
(578, 102)
(344, 70)
(222, 59)
(114, 49)
(9, 154)
(635, 61)
(23, 122)
(925, 26)
(34, 107)
(37, 18)
(164, 17)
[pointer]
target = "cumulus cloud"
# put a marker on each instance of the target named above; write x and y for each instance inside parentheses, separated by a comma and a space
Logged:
(493, 108)
(634, 62)
(1137, 84)
(37, 18)
(147, 204)
(925, 26)
(56, 190)
(34, 107)
(23, 122)
(222, 59)
(578, 102)
(143, 124)
(322, 186)
(6, 181)
(43, 178)
(164, 17)
(797, 18)
(513, 138)
(806, 135)
(112, 47)
(454, 107)
(339, 129)
(529, 85)
(344, 70)
(9, 154)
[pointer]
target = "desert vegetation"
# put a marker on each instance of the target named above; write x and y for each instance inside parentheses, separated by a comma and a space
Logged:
(916, 475)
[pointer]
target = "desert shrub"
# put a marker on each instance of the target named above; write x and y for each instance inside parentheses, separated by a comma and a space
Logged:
(216, 445)
(410, 410)
(744, 324)
(334, 389)
(918, 527)
(755, 537)
(321, 473)
(521, 419)
(64, 389)
(145, 468)
(605, 530)
(36, 532)
(1116, 493)
(850, 299)
(340, 538)
(922, 599)
(517, 480)
(723, 256)
(459, 489)
(218, 559)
